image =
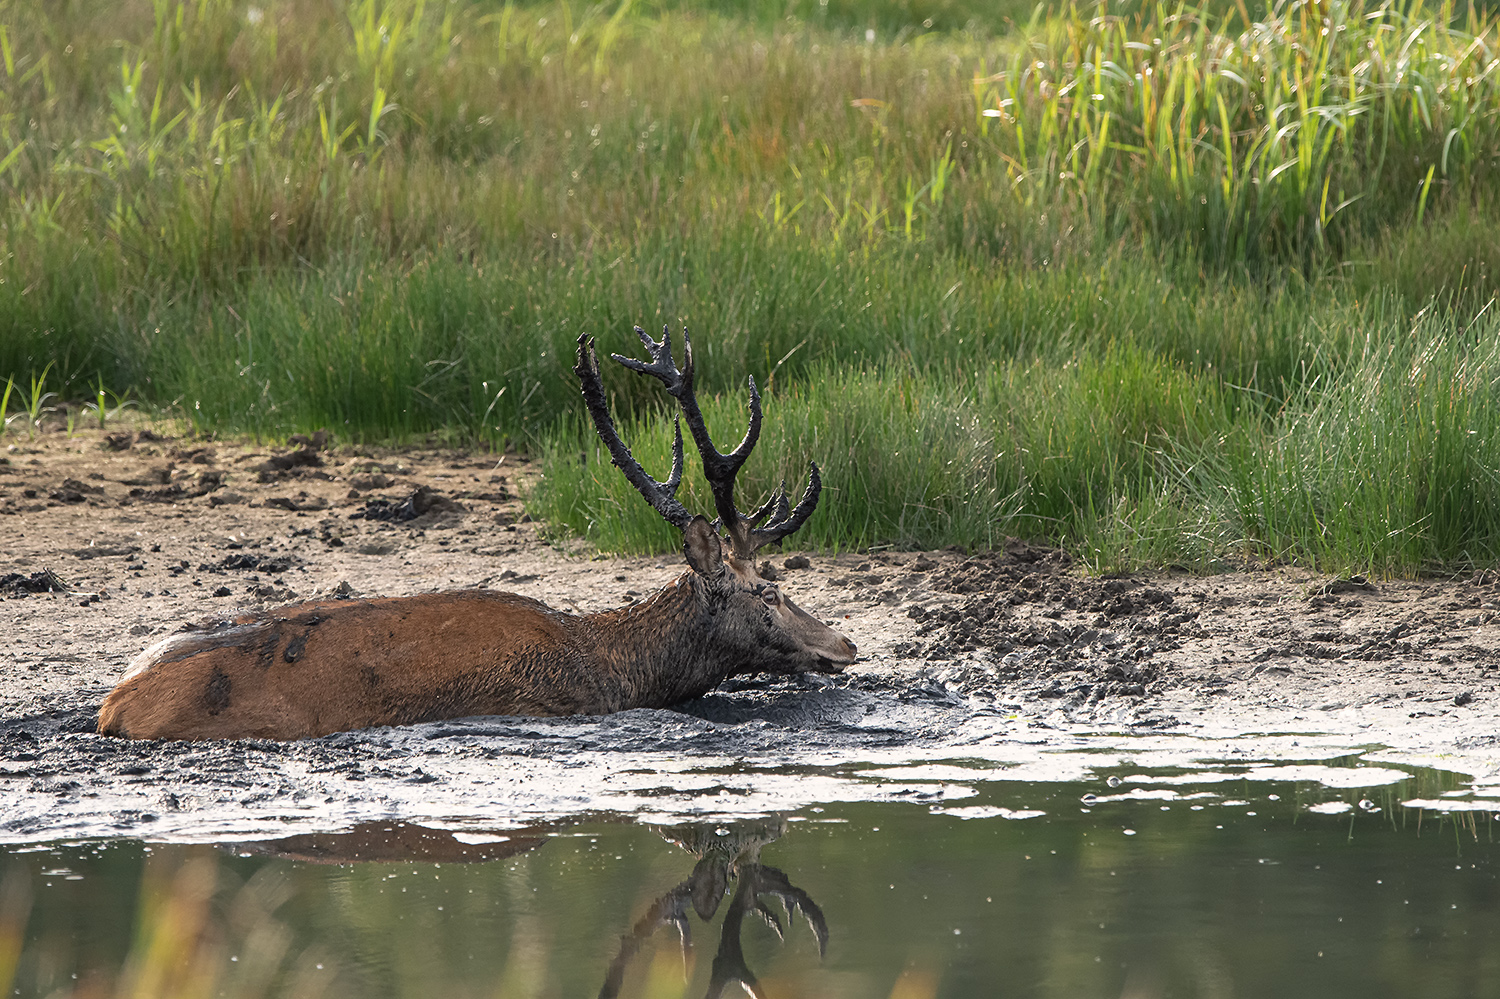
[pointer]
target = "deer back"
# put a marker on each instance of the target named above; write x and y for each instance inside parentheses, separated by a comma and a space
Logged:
(327, 666)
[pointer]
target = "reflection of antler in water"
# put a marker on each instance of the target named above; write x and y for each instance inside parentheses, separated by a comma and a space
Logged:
(722, 854)
(757, 879)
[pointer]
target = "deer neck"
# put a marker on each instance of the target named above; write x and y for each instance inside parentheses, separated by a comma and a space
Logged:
(663, 650)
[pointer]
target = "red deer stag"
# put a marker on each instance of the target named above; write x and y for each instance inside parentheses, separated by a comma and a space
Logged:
(327, 666)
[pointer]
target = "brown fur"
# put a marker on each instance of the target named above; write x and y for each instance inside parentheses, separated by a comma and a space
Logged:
(329, 666)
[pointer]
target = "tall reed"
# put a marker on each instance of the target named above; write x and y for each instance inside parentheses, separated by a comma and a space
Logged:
(1274, 138)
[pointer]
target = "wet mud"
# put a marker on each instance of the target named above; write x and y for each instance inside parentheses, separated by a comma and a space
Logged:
(1013, 660)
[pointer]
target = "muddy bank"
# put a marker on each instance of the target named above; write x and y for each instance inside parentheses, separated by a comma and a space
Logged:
(997, 663)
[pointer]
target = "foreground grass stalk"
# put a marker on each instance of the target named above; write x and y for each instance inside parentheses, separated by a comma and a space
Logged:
(10, 384)
(37, 400)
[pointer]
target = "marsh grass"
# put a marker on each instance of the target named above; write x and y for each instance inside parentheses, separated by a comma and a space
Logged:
(1388, 463)
(182, 150)
(1276, 138)
(1031, 449)
(1104, 266)
(1452, 262)
(379, 349)
(1393, 465)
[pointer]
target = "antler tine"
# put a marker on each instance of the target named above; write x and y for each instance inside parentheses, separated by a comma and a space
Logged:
(719, 468)
(772, 920)
(661, 364)
(775, 503)
(683, 391)
(661, 495)
(783, 523)
(746, 536)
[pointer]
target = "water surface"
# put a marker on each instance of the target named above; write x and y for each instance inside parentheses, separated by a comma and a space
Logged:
(1279, 880)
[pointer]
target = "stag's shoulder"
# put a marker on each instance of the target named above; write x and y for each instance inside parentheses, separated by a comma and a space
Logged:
(265, 626)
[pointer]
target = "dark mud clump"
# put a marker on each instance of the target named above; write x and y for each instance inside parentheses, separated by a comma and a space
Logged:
(203, 484)
(15, 584)
(303, 457)
(302, 501)
(1031, 625)
(989, 571)
(423, 500)
(245, 562)
(75, 491)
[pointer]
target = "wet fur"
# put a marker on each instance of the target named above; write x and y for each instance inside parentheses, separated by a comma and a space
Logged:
(329, 666)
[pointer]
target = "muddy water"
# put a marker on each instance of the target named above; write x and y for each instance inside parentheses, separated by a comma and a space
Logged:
(1286, 879)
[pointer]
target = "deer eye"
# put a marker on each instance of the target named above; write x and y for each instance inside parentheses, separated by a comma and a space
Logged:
(771, 596)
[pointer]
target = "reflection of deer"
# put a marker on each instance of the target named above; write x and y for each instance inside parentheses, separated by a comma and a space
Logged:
(396, 842)
(332, 665)
(721, 857)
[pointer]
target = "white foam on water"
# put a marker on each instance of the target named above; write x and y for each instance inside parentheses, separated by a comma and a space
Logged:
(988, 812)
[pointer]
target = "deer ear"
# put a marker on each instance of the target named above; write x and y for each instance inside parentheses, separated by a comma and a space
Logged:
(704, 550)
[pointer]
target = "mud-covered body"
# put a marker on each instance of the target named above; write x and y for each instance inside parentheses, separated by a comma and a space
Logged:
(314, 668)
(328, 666)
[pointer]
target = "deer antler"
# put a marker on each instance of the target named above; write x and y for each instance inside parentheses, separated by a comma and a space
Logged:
(661, 495)
(746, 535)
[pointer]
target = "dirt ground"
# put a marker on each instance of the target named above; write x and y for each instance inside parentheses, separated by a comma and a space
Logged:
(996, 665)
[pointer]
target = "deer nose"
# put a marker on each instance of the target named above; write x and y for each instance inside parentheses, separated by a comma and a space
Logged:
(850, 648)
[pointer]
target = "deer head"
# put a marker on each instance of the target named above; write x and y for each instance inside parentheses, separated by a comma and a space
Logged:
(759, 628)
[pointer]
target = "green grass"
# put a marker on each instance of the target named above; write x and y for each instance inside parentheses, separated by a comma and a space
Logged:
(385, 349)
(193, 144)
(1279, 139)
(1138, 279)
(1394, 465)
(1028, 449)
